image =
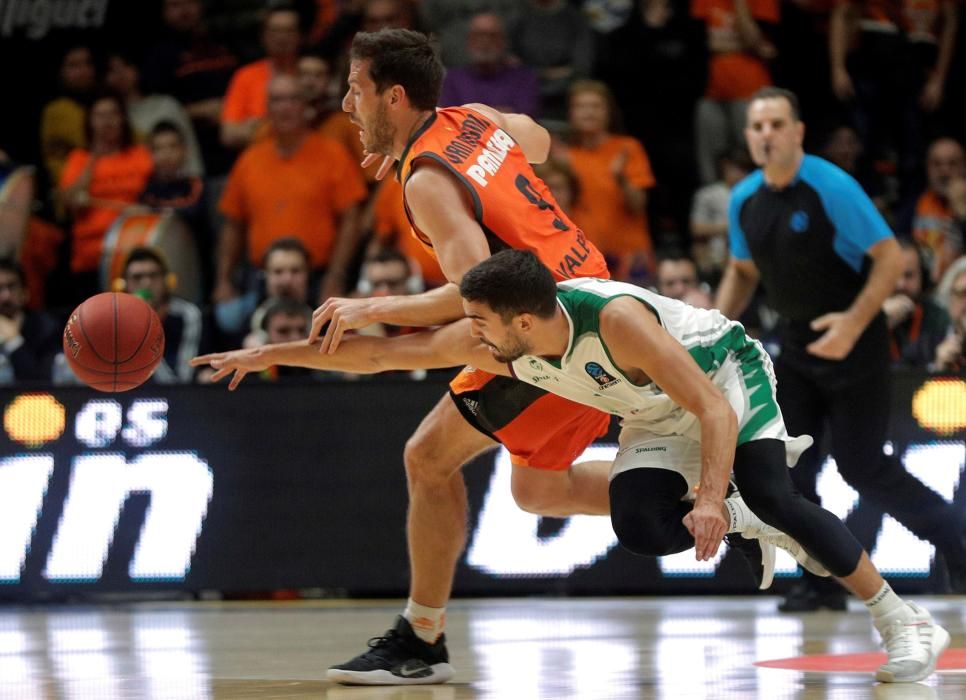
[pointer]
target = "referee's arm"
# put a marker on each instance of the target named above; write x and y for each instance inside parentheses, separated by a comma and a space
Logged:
(737, 287)
(842, 329)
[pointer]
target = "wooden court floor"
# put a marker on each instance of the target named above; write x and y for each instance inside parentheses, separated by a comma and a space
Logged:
(505, 649)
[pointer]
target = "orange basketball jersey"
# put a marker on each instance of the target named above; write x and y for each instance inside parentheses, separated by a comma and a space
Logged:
(512, 205)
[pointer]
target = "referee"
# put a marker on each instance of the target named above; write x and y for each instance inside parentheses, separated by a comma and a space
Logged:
(827, 261)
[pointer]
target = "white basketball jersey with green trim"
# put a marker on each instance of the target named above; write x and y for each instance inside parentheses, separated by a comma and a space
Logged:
(586, 374)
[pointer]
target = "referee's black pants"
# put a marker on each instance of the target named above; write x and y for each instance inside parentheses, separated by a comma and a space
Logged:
(852, 401)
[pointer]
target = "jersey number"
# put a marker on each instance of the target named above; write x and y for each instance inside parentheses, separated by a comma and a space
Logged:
(527, 190)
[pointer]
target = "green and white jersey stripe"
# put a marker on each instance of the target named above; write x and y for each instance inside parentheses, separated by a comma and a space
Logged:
(735, 363)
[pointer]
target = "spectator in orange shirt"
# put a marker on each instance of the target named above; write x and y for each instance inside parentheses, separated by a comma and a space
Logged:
(614, 174)
(98, 183)
(293, 183)
(245, 103)
(737, 68)
(938, 224)
(391, 231)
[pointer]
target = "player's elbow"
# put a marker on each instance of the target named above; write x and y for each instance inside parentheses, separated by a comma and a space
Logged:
(540, 148)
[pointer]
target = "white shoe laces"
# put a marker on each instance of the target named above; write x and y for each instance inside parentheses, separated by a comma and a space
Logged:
(902, 640)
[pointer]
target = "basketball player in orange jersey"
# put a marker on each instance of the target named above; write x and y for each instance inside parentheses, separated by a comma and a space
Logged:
(469, 192)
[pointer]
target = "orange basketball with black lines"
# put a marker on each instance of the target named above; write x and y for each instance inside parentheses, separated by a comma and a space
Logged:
(113, 341)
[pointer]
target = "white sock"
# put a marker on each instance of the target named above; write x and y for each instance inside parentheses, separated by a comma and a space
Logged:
(885, 604)
(741, 515)
(428, 623)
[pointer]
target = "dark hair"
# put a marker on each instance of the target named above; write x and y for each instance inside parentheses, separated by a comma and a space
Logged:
(127, 131)
(512, 282)
(166, 126)
(144, 253)
(289, 244)
(771, 93)
(925, 278)
(71, 48)
(675, 255)
(11, 265)
(385, 255)
(283, 306)
(402, 57)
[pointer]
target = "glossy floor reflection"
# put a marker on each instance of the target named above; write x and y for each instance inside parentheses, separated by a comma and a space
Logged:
(508, 649)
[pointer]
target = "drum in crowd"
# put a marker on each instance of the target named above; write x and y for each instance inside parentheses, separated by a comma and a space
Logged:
(16, 204)
(164, 231)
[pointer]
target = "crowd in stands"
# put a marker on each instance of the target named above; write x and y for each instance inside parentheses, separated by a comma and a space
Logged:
(243, 142)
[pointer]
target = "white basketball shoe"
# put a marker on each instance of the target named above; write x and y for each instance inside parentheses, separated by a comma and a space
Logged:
(913, 642)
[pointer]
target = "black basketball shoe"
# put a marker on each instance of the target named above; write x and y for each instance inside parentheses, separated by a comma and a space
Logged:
(759, 554)
(397, 658)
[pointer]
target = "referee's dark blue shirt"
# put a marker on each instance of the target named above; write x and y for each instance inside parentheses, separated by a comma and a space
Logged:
(808, 239)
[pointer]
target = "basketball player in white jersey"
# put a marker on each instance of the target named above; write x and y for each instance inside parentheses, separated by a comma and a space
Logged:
(697, 402)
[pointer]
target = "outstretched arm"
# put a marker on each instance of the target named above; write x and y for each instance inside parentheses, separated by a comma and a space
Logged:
(449, 346)
(439, 207)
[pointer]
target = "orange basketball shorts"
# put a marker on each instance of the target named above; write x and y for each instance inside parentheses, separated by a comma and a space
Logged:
(539, 429)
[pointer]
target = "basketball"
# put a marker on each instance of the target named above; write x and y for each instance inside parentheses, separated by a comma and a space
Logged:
(113, 341)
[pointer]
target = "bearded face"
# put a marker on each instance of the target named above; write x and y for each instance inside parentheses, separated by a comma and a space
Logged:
(378, 135)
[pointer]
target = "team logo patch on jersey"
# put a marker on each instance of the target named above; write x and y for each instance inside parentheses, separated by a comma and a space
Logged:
(534, 364)
(600, 375)
(799, 221)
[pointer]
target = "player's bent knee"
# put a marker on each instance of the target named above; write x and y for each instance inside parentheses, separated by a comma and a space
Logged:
(644, 536)
(539, 492)
(424, 463)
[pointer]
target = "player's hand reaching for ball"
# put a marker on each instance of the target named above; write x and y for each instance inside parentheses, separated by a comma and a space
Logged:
(241, 362)
(341, 315)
